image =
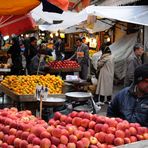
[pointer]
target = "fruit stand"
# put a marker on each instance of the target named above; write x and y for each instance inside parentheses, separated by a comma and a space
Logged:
(21, 129)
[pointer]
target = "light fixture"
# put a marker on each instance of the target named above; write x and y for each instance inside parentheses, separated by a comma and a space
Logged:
(62, 35)
(51, 35)
(56, 34)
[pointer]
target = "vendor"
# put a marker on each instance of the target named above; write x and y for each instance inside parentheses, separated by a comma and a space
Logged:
(38, 62)
(82, 57)
(131, 103)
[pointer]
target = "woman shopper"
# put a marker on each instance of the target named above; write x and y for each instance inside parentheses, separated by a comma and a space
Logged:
(105, 75)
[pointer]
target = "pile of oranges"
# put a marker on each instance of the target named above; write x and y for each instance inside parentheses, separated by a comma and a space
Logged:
(26, 85)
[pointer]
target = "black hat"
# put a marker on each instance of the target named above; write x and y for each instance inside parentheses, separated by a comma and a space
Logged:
(141, 73)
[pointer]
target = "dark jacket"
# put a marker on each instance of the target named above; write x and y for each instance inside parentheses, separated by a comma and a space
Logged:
(129, 107)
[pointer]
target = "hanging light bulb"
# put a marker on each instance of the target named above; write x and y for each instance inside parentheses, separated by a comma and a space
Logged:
(56, 34)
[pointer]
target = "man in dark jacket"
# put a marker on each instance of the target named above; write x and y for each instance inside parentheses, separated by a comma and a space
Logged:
(131, 103)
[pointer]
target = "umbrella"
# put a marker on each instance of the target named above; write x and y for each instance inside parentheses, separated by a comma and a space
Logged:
(16, 24)
(20, 7)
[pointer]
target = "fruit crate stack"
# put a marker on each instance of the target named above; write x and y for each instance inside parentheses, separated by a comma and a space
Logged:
(75, 130)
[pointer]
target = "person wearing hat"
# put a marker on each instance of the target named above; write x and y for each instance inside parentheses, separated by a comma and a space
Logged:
(131, 103)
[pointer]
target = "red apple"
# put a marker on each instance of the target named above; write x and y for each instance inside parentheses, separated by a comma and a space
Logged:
(12, 131)
(36, 141)
(100, 136)
(45, 134)
(24, 135)
(81, 128)
(73, 139)
(23, 144)
(109, 138)
(1, 135)
(100, 119)
(85, 123)
(4, 145)
(98, 127)
(45, 143)
(10, 139)
(64, 139)
(104, 127)
(133, 139)
(76, 121)
(120, 133)
(92, 132)
(71, 145)
(73, 114)
(92, 124)
(133, 131)
(57, 132)
(140, 137)
(79, 134)
(87, 134)
(86, 142)
(127, 133)
(80, 144)
(145, 135)
(80, 114)
(118, 141)
(127, 140)
(111, 130)
(19, 133)
(111, 122)
(141, 130)
(57, 115)
(30, 138)
(37, 130)
(55, 140)
(62, 146)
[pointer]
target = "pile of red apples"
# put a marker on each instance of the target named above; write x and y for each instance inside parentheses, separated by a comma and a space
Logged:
(75, 130)
(66, 64)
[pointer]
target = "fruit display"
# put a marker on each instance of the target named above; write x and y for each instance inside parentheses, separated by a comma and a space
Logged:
(26, 85)
(92, 52)
(76, 130)
(61, 65)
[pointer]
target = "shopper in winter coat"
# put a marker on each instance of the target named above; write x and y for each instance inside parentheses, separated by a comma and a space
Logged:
(132, 63)
(105, 75)
(131, 103)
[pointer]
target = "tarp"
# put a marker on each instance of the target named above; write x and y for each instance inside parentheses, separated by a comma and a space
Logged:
(20, 7)
(130, 14)
(16, 24)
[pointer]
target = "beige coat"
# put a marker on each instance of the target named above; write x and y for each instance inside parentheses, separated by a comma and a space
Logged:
(106, 75)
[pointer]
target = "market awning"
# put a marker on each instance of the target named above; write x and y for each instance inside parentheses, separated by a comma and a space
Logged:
(20, 7)
(16, 24)
(130, 14)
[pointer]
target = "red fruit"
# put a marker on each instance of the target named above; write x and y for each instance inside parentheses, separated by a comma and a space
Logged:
(118, 141)
(141, 130)
(88, 116)
(73, 139)
(86, 142)
(92, 132)
(98, 127)
(73, 114)
(65, 132)
(109, 138)
(19, 133)
(64, 139)
(12, 131)
(120, 126)
(23, 144)
(45, 134)
(127, 133)
(68, 120)
(93, 146)
(80, 114)
(87, 134)
(55, 141)
(120, 133)
(51, 122)
(100, 119)
(76, 121)
(101, 137)
(127, 140)
(140, 137)
(92, 124)
(24, 135)
(17, 142)
(4, 145)
(133, 131)
(79, 134)
(111, 130)
(53, 146)
(111, 122)
(37, 130)
(93, 140)
(10, 139)
(85, 123)
(62, 146)
(57, 132)
(57, 115)
(133, 139)
(5, 138)
(1, 135)
(63, 118)
(6, 129)
(118, 119)
(71, 145)
(104, 127)
(45, 143)
(36, 141)
(80, 144)
(81, 128)
(30, 138)
(145, 135)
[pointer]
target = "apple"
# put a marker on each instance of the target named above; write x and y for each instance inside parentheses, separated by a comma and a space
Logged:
(45, 134)
(85, 123)
(37, 130)
(73, 139)
(133, 139)
(80, 144)
(79, 134)
(71, 145)
(140, 137)
(1, 135)
(86, 142)
(109, 138)
(55, 140)
(19, 133)
(100, 119)
(127, 133)
(45, 143)
(36, 141)
(51, 122)
(145, 135)
(57, 115)
(118, 120)
(118, 141)
(127, 140)
(68, 120)
(10, 139)
(141, 130)
(57, 132)
(133, 131)
(23, 144)
(12, 131)
(87, 134)
(111, 130)
(73, 114)
(104, 127)
(93, 140)
(4, 145)
(62, 146)
(120, 134)
(81, 128)
(5, 138)
(30, 137)
(50, 128)
(92, 132)
(111, 122)
(93, 146)
(80, 114)
(101, 136)
(24, 135)
(98, 127)
(64, 139)
(6, 129)
(91, 124)
(76, 121)
(63, 118)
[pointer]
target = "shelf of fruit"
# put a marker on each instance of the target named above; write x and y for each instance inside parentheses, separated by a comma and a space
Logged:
(75, 130)
(64, 66)
(25, 86)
